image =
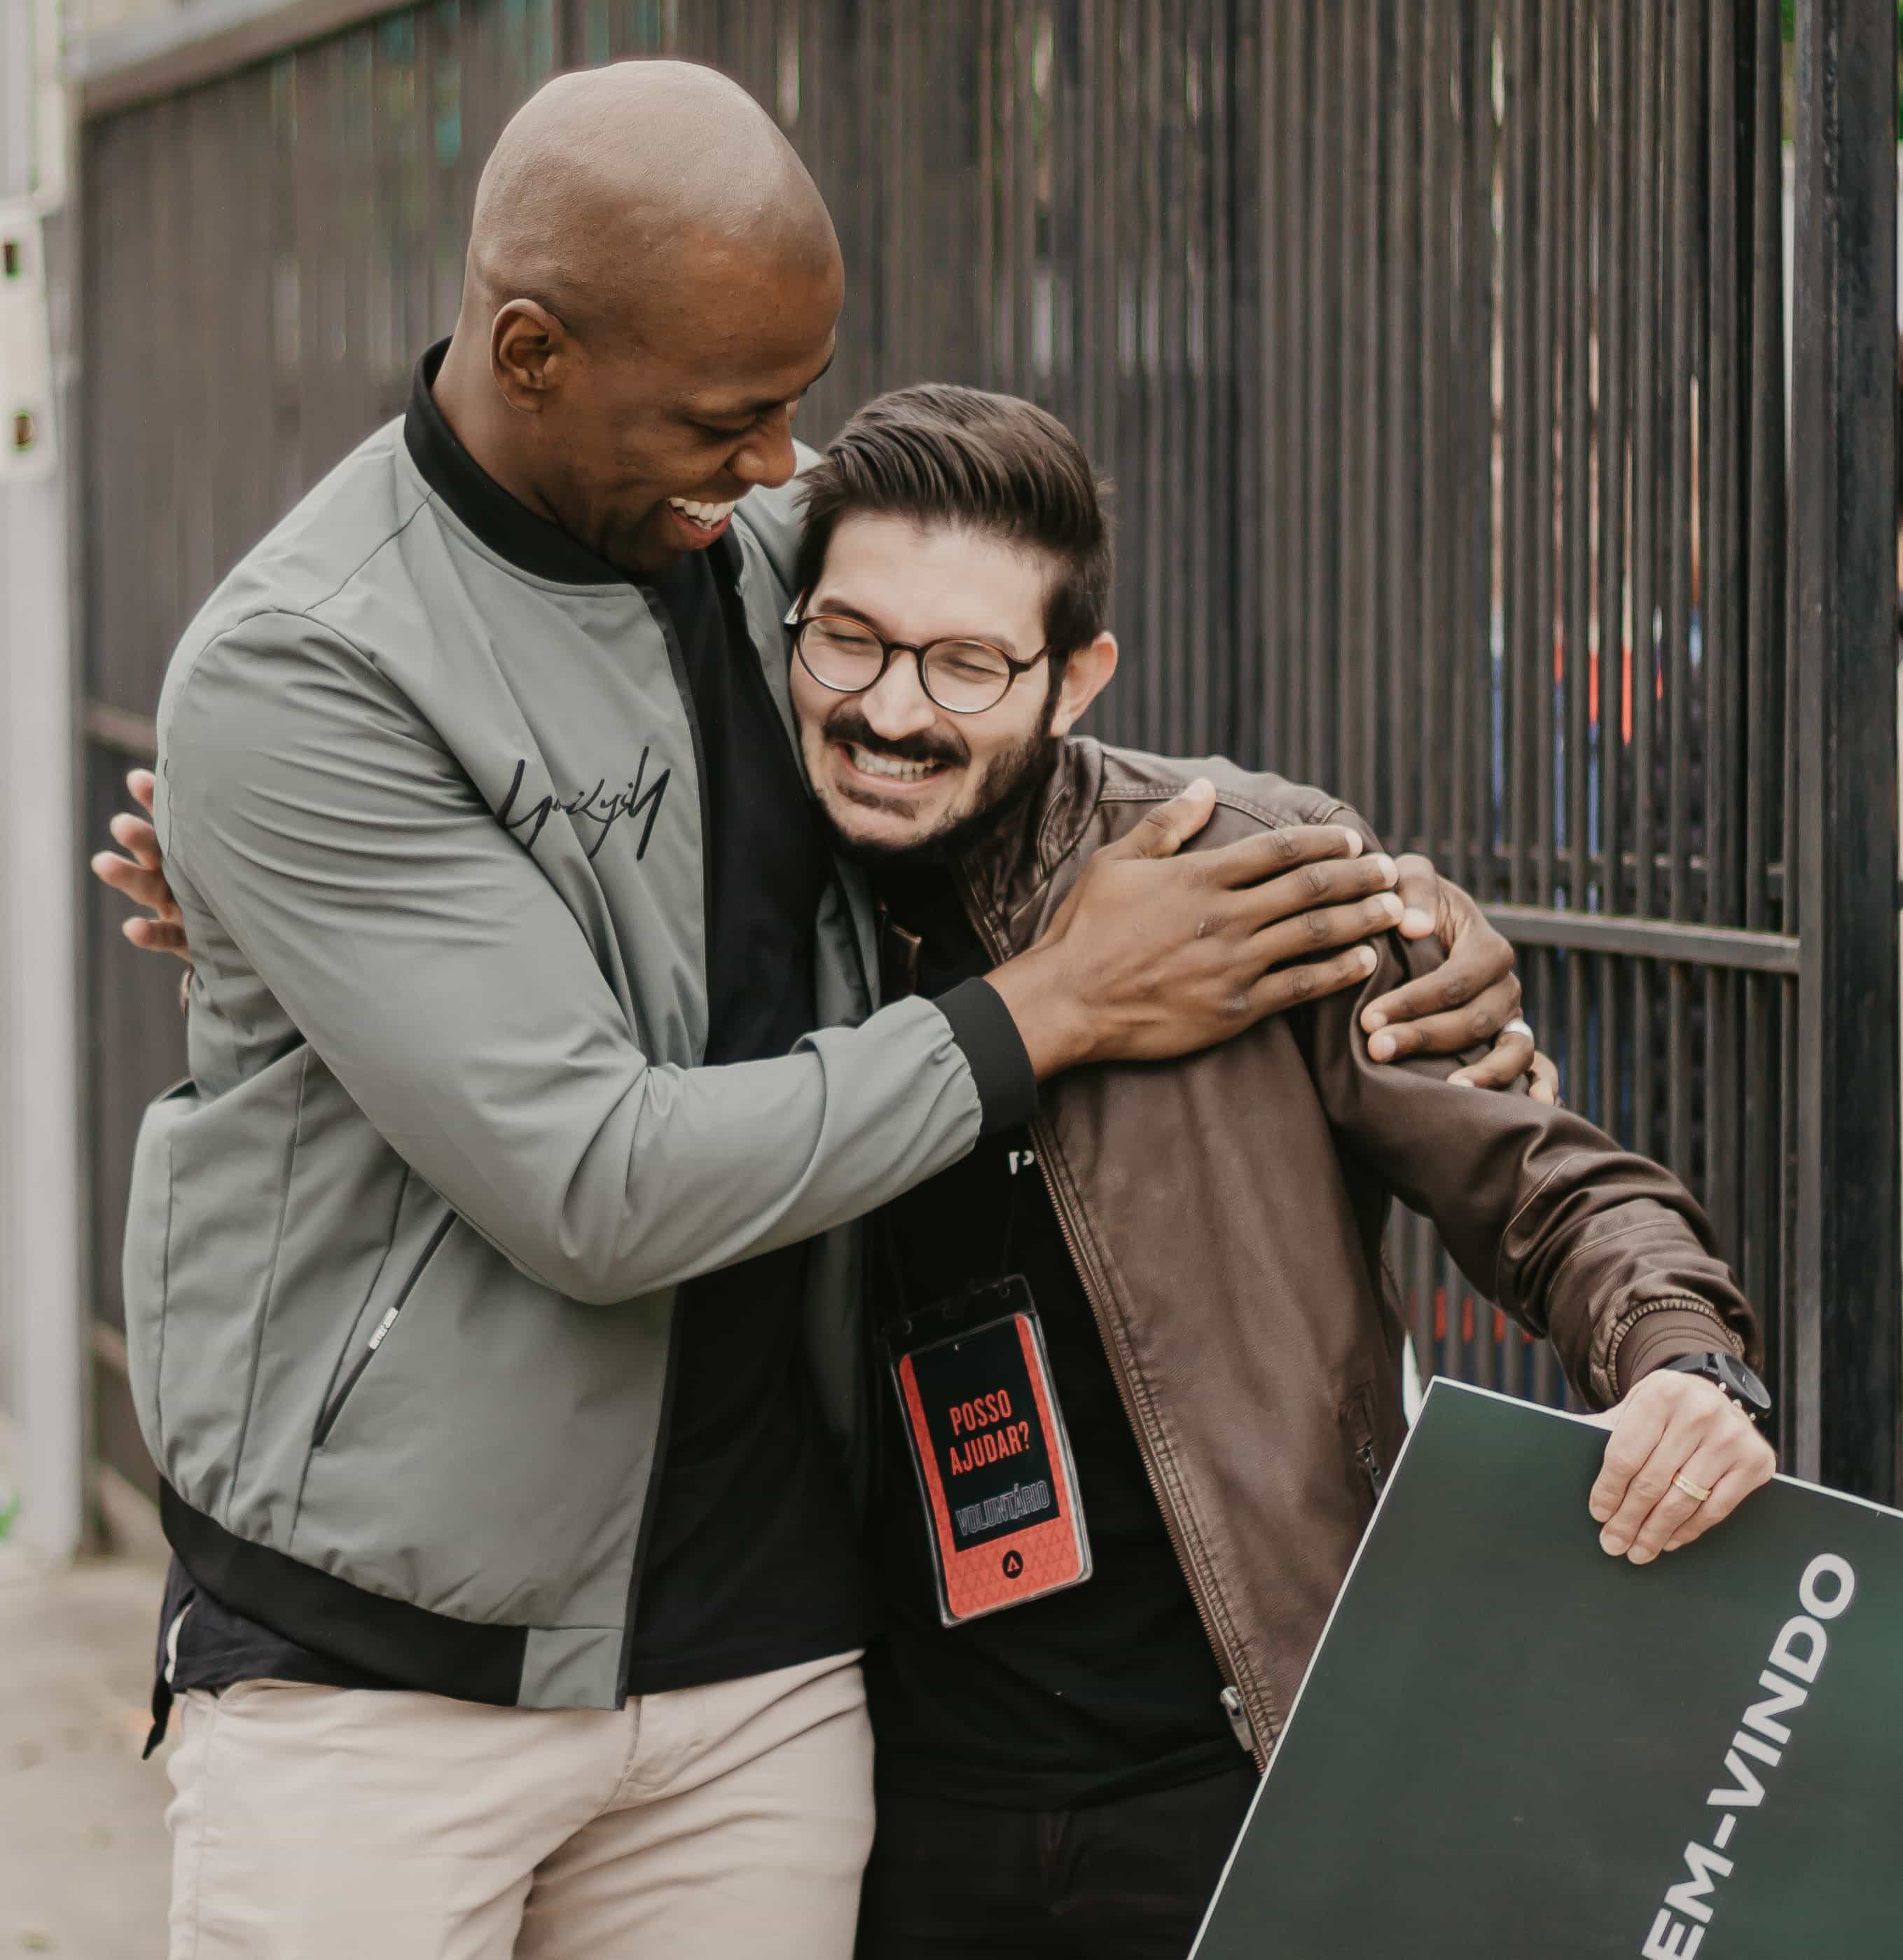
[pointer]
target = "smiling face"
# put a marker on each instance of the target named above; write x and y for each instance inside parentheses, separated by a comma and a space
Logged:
(636, 327)
(648, 443)
(895, 773)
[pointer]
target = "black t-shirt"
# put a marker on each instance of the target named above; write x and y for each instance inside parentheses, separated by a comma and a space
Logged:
(751, 1559)
(1100, 1691)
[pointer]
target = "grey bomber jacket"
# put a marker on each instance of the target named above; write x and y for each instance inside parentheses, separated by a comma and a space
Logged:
(402, 1255)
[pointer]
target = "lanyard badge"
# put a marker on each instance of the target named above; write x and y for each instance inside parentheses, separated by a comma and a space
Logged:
(988, 1444)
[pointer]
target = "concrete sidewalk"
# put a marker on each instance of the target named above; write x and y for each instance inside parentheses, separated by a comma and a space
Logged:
(84, 1863)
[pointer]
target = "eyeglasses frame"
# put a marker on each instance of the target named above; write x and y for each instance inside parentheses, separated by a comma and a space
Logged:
(796, 623)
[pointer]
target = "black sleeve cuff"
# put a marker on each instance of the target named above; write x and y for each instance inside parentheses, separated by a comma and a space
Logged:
(982, 1026)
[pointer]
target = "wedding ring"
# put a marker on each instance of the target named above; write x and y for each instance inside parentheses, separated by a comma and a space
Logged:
(1520, 1027)
(1696, 1492)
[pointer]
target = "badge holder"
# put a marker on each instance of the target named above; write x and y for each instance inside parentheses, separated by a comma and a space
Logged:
(990, 1450)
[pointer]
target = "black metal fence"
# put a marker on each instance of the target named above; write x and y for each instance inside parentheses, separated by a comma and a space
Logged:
(1435, 349)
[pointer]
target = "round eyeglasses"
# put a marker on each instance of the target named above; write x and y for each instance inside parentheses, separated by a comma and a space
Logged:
(962, 677)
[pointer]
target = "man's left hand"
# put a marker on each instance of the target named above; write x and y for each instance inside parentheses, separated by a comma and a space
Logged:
(1674, 1425)
(1472, 996)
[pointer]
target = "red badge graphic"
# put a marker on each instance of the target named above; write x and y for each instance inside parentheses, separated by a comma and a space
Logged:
(988, 1441)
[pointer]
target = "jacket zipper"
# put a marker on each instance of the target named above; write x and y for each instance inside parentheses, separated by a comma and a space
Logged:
(335, 1406)
(1233, 1705)
(1371, 1467)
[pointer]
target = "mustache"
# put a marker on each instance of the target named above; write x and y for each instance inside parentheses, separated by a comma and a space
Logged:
(849, 724)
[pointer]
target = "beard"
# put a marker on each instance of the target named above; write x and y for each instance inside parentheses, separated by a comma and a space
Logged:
(1011, 777)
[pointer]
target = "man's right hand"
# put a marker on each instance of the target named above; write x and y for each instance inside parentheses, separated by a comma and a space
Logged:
(1146, 959)
(140, 875)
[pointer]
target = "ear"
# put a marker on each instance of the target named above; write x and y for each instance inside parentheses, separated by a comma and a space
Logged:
(528, 347)
(1086, 675)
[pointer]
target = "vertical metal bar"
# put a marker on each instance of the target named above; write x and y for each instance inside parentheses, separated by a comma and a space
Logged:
(1235, 336)
(1348, 512)
(1544, 999)
(1179, 257)
(1770, 539)
(899, 218)
(1219, 425)
(1578, 505)
(1644, 694)
(1722, 477)
(1364, 512)
(1322, 275)
(1089, 322)
(986, 141)
(1164, 218)
(1614, 321)
(1433, 478)
(1474, 450)
(1551, 224)
(1197, 304)
(1513, 671)
(1405, 653)
(1175, 221)
(1470, 416)
(1281, 204)
(1355, 518)
(1264, 651)
(1123, 242)
(1760, 1229)
(1293, 274)
(1553, 517)
(1800, 1414)
(1160, 568)
(1721, 611)
(1099, 86)
(1685, 219)
(1844, 424)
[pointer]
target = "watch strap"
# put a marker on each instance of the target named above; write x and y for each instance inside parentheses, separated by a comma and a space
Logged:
(1726, 1371)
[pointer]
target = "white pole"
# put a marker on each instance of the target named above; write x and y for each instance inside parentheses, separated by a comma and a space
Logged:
(40, 1207)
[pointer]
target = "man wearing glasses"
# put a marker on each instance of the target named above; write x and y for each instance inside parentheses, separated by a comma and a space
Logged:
(1139, 1358)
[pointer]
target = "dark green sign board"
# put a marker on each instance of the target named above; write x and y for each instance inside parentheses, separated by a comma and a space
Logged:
(1510, 1744)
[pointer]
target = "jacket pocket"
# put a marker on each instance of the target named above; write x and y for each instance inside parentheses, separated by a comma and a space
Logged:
(1356, 1419)
(491, 1460)
(327, 1418)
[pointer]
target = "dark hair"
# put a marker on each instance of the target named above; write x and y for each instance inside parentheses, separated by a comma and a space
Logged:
(990, 463)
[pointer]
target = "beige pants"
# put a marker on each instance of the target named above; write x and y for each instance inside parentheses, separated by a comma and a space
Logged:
(722, 1823)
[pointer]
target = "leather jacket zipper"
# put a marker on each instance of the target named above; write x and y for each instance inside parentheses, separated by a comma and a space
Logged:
(1371, 1467)
(1233, 1705)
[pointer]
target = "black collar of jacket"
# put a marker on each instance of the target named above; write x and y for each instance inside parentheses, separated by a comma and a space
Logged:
(505, 524)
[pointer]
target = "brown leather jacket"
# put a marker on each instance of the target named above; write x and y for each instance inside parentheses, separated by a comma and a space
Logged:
(1225, 1214)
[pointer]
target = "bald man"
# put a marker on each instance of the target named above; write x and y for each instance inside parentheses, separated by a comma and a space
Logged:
(490, 1285)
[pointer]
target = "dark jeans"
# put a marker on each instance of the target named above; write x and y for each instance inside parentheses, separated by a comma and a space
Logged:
(1122, 1881)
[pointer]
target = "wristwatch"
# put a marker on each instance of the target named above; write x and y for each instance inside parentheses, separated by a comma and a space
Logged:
(1724, 1369)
